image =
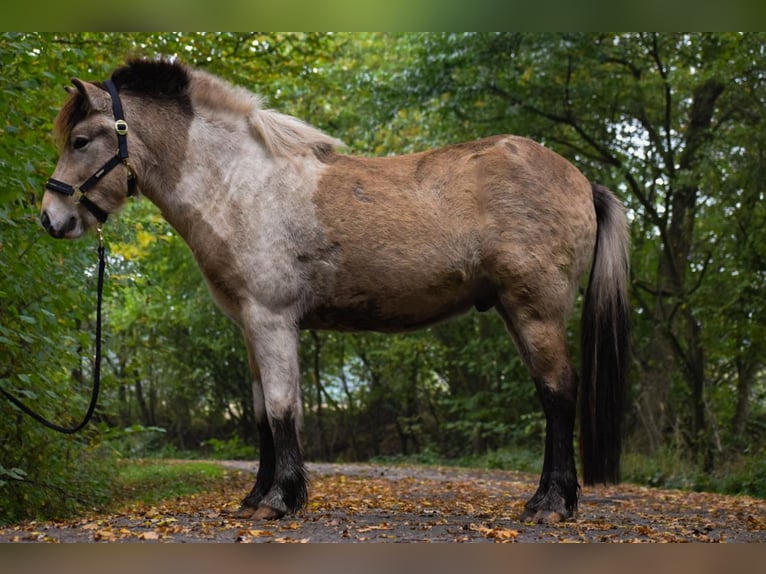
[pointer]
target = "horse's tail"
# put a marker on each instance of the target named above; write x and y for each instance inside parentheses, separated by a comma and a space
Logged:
(604, 343)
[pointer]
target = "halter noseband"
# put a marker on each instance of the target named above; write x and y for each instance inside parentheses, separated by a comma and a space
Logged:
(121, 127)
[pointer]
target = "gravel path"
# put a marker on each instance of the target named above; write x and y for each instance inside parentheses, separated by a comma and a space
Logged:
(388, 503)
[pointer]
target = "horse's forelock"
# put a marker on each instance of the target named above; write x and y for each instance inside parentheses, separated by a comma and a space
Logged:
(72, 112)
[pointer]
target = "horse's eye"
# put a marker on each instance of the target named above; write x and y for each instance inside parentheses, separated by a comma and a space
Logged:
(80, 142)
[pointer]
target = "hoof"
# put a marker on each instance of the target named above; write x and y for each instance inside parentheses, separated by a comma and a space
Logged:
(543, 516)
(267, 513)
(261, 513)
(554, 501)
(245, 512)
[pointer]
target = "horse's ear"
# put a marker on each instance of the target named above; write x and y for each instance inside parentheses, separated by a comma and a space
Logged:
(97, 98)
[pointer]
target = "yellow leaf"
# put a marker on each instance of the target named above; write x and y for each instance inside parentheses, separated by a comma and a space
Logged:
(105, 534)
(151, 535)
(144, 238)
(499, 534)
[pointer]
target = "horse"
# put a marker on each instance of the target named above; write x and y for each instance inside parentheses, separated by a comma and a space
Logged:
(290, 233)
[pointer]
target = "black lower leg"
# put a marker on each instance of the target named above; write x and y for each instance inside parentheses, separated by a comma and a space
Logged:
(558, 490)
(266, 467)
(289, 491)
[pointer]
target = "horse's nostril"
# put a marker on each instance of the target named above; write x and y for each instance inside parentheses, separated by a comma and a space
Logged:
(53, 229)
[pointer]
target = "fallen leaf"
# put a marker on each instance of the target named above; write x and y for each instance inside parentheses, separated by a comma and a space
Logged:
(150, 535)
(499, 534)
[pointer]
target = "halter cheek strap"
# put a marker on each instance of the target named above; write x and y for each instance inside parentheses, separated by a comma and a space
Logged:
(79, 191)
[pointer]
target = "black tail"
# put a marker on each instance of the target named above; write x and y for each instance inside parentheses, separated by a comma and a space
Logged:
(604, 343)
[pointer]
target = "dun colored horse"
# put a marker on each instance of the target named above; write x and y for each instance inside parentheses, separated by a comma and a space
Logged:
(291, 234)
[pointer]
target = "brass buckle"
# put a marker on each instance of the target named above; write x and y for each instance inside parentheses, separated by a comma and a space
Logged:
(121, 127)
(78, 194)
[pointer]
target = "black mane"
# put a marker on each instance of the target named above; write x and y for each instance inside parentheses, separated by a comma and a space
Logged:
(153, 78)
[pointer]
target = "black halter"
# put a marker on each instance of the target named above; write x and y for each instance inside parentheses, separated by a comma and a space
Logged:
(121, 127)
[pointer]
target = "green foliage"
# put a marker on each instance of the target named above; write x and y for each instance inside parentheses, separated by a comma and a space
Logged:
(47, 300)
(671, 468)
(135, 441)
(230, 449)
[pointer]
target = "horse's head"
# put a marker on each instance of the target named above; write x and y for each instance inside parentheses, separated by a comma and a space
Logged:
(84, 187)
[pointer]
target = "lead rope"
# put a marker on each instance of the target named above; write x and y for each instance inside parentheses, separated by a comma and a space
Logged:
(97, 366)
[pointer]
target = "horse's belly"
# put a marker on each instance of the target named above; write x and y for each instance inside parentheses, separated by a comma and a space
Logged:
(368, 317)
(391, 313)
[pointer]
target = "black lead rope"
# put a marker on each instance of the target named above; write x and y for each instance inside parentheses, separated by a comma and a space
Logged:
(96, 368)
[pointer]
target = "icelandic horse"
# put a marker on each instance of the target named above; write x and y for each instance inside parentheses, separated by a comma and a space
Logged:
(291, 234)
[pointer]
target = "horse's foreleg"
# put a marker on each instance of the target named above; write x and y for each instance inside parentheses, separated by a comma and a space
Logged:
(267, 462)
(543, 346)
(288, 492)
(280, 486)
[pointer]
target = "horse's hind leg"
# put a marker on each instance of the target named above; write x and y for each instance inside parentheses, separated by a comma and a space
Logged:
(541, 340)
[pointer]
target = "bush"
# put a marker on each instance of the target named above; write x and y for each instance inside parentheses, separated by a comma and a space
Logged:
(668, 468)
(55, 478)
(231, 449)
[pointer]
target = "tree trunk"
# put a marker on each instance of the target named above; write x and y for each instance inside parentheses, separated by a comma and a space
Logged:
(146, 415)
(653, 401)
(677, 333)
(315, 375)
(350, 409)
(745, 376)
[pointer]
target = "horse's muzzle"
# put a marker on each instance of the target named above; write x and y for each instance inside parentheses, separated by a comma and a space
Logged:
(57, 232)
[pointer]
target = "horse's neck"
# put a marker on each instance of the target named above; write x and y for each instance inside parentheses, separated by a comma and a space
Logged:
(207, 185)
(228, 189)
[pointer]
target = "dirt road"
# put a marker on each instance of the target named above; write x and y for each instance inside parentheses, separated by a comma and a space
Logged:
(380, 503)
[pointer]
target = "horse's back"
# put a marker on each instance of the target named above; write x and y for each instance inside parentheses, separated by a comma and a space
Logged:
(406, 253)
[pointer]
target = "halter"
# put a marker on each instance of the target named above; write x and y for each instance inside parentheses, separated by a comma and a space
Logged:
(79, 191)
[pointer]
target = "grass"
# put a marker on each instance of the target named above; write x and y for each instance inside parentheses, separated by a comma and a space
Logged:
(152, 481)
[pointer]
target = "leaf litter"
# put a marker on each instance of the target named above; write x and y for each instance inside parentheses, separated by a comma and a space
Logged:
(383, 503)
